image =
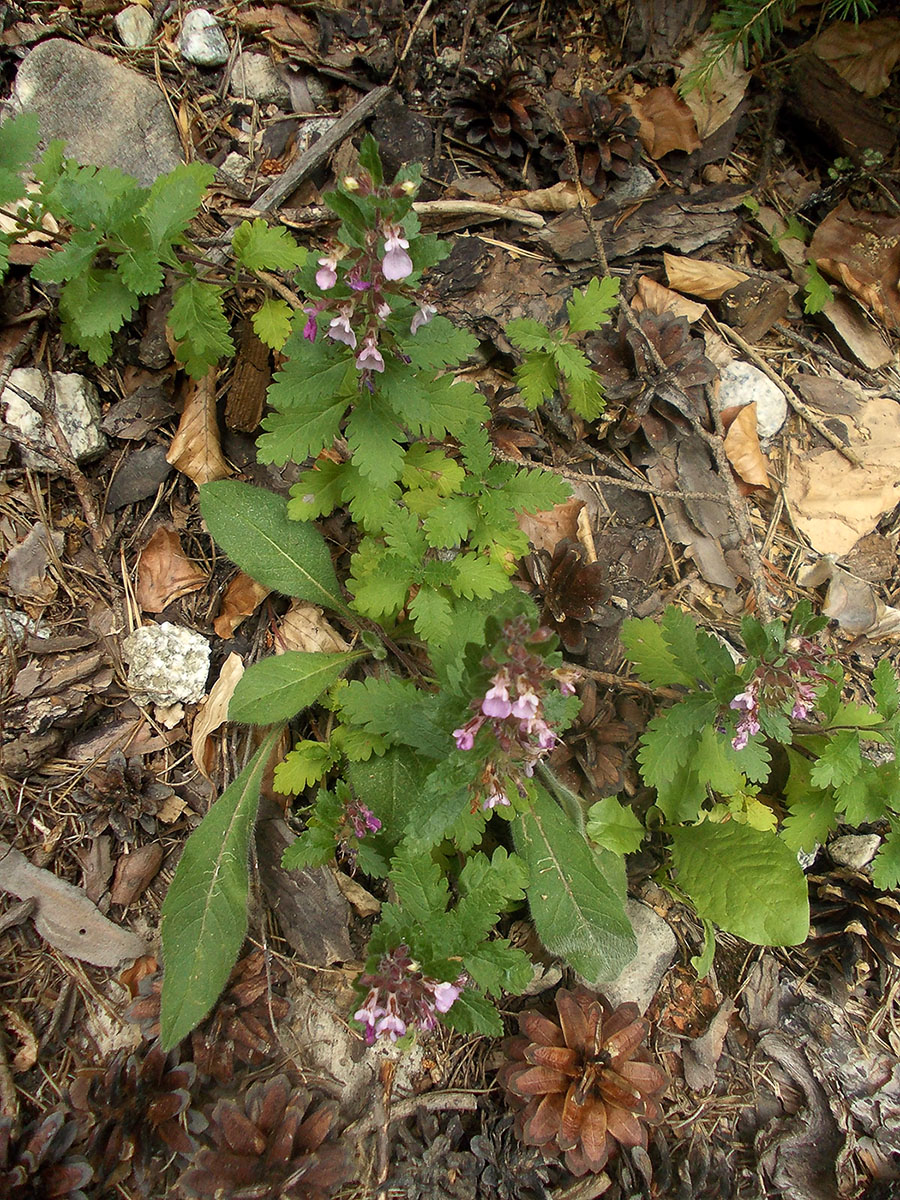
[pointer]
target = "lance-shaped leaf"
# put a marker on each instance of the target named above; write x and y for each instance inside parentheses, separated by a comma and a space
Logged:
(253, 528)
(204, 917)
(576, 912)
(277, 688)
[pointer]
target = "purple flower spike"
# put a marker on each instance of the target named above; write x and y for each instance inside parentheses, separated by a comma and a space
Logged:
(326, 276)
(369, 358)
(496, 798)
(339, 330)
(496, 702)
(396, 263)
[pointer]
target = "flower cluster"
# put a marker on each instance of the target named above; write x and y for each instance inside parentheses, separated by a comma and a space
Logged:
(400, 997)
(511, 711)
(361, 818)
(374, 274)
(791, 682)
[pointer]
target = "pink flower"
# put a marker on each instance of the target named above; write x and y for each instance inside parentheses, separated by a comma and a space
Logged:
(383, 311)
(496, 700)
(445, 995)
(356, 283)
(369, 358)
(339, 330)
(396, 263)
(311, 328)
(422, 316)
(326, 276)
(496, 798)
(465, 738)
(391, 1024)
(526, 706)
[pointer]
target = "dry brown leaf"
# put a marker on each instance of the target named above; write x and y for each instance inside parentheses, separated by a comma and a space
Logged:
(561, 197)
(354, 893)
(165, 573)
(660, 299)
(545, 529)
(742, 448)
(864, 54)
(862, 251)
(713, 106)
(303, 627)
(666, 122)
(281, 25)
(833, 503)
(242, 598)
(213, 713)
(195, 450)
(851, 601)
(697, 277)
(65, 917)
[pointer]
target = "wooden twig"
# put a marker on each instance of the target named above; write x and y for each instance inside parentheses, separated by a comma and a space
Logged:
(789, 394)
(477, 208)
(834, 360)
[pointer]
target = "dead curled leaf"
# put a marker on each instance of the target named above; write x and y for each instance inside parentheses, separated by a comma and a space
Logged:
(863, 53)
(242, 598)
(659, 299)
(697, 277)
(862, 251)
(195, 450)
(65, 917)
(164, 572)
(742, 447)
(303, 627)
(851, 601)
(213, 713)
(666, 122)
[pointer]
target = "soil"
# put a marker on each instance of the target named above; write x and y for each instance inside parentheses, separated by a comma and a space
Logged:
(102, 792)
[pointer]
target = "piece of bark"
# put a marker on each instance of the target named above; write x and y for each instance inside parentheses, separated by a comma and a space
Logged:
(252, 376)
(312, 913)
(753, 307)
(845, 121)
(135, 872)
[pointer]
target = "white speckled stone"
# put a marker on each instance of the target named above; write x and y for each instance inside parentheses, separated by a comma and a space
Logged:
(202, 42)
(77, 409)
(741, 383)
(134, 26)
(167, 664)
(255, 77)
(855, 850)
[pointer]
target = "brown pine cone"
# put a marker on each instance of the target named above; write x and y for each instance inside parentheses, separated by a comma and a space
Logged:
(37, 1165)
(494, 113)
(603, 134)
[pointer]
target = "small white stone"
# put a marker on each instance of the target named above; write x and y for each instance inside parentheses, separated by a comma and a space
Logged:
(255, 77)
(134, 26)
(741, 383)
(77, 408)
(202, 41)
(855, 850)
(167, 664)
(656, 947)
(234, 168)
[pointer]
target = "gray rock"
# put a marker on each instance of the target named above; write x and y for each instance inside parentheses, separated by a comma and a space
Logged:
(255, 77)
(742, 383)
(106, 114)
(167, 664)
(202, 42)
(855, 851)
(656, 942)
(77, 409)
(134, 26)
(638, 184)
(234, 168)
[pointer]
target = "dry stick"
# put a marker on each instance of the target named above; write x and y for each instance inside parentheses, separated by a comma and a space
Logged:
(833, 360)
(456, 1101)
(62, 456)
(790, 395)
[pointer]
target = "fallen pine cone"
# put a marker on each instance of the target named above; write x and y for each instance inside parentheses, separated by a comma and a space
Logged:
(583, 1086)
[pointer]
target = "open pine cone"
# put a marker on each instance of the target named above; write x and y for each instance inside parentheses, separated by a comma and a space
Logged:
(850, 914)
(122, 797)
(494, 114)
(37, 1165)
(428, 1160)
(270, 1147)
(583, 1085)
(604, 135)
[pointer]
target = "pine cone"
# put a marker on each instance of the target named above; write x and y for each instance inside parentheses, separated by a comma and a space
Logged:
(511, 1171)
(271, 1146)
(37, 1165)
(137, 1111)
(573, 591)
(848, 912)
(240, 1026)
(428, 1163)
(604, 135)
(122, 797)
(587, 1086)
(495, 114)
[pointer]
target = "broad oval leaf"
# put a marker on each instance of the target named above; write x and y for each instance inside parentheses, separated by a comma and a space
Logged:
(575, 911)
(745, 880)
(204, 916)
(253, 528)
(277, 688)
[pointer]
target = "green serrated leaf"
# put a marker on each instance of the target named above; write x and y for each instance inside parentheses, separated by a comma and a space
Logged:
(497, 967)
(96, 303)
(141, 271)
(200, 326)
(576, 913)
(204, 916)
(432, 614)
(745, 880)
(572, 363)
(472, 1012)
(585, 396)
(272, 322)
(652, 656)
(259, 246)
(839, 761)
(614, 826)
(252, 527)
(380, 583)
(278, 688)
(592, 308)
(377, 442)
(174, 200)
(390, 786)
(537, 378)
(450, 521)
(370, 159)
(816, 292)
(886, 866)
(530, 335)
(478, 577)
(301, 767)
(72, 260)
(396, 710)
(18, 144)
(887, 690)
(438, 344)
(301, 431)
